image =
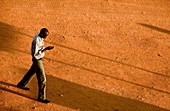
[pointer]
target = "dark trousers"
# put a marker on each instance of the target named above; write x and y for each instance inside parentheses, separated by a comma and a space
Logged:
(38, 69)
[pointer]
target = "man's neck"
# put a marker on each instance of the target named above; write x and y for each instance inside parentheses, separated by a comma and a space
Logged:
(40, 36)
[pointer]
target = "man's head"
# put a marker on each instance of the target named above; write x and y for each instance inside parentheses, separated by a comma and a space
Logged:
(44, 33)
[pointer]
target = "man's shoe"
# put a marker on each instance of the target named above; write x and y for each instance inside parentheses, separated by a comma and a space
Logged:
(23, 87)
(43, 100)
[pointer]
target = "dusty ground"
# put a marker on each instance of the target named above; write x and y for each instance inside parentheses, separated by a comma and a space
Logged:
(110, 55)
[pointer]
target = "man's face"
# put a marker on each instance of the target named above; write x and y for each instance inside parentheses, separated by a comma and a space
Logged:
(45, 35)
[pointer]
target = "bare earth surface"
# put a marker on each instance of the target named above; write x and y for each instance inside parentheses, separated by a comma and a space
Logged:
(109, 55)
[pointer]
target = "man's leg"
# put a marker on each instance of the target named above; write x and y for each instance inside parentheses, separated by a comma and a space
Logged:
(28, 76)
(41, 81)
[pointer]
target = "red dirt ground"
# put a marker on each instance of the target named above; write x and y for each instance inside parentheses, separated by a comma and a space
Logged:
(110, 55)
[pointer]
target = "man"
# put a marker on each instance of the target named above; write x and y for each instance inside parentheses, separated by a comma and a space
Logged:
(37, 52)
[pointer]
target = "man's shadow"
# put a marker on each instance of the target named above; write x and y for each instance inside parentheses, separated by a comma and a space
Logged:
(76, 96)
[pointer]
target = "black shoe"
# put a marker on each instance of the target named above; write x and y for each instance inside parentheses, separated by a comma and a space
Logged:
(23, 87)
(43, 100)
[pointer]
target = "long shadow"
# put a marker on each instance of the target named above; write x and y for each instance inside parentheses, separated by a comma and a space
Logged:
(7, 84)
(76, 96)
(155, 28)
(84, 98)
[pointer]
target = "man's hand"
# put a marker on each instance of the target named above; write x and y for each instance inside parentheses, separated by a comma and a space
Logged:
(48, 48)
